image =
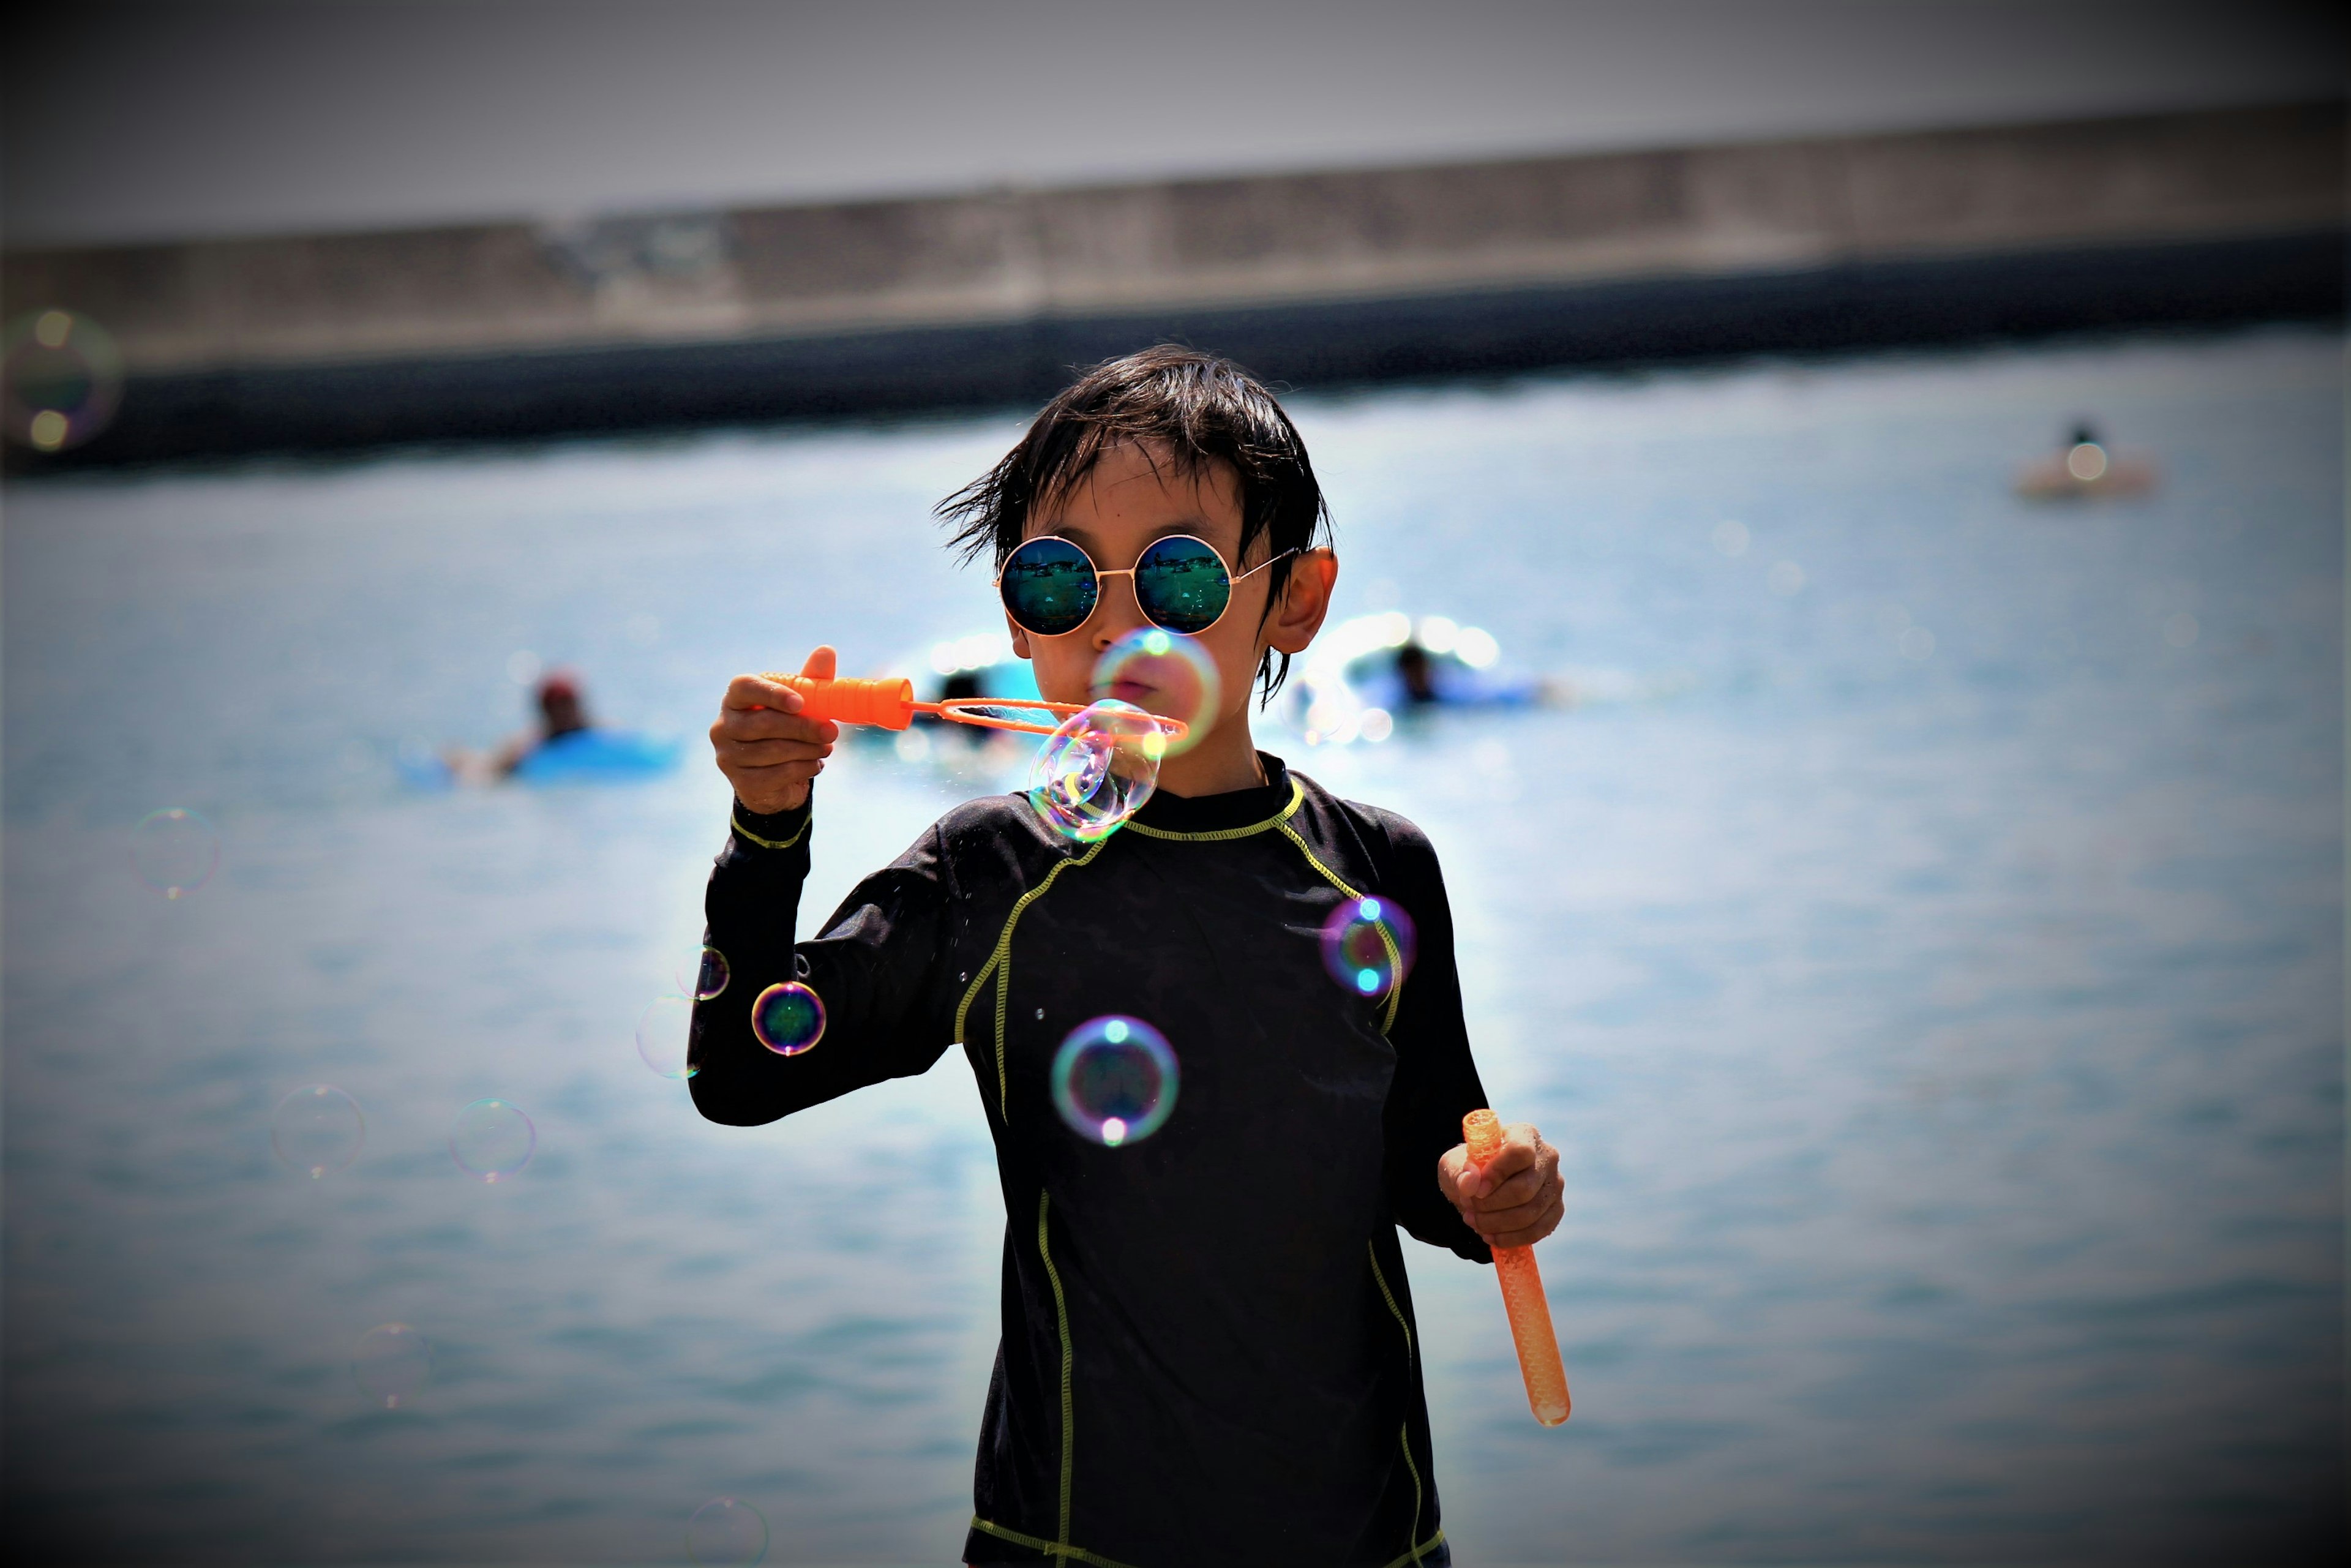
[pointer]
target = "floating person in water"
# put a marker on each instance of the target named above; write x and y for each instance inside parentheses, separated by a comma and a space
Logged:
(2085, 469)
(562, 711)
(1208, 1351)
(1415, 678)
(567, 746)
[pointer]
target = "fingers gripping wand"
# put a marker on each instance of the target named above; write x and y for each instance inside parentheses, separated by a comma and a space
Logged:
(1522, 1292)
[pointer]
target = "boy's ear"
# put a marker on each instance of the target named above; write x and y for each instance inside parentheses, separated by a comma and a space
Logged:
(1019, 637)
(1305, 601)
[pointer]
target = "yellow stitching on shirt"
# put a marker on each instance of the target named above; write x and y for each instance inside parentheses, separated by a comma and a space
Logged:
(1061, 1310)
(1052, 1549)
(1387, 937)
(964, 1007)
(1389, 1297)
(736, 822)
(1417, 1552)
(1002, 962)
(1219, 835)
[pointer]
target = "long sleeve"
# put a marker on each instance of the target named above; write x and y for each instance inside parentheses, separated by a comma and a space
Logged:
(873, 968)
(1436, 1082)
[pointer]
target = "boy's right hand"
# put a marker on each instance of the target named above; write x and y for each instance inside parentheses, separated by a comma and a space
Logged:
(768, 751)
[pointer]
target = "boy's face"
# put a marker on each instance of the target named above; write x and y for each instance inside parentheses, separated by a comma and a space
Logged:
(1124, 504)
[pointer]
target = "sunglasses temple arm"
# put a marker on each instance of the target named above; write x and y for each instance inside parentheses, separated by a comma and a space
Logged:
(1260, 566)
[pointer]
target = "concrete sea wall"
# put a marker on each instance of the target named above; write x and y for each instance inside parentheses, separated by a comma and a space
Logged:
(523, 330)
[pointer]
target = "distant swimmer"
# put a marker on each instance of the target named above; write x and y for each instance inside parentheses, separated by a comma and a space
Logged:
(2085, 469)
(562, 711)
(1415, 677)
(567, 746)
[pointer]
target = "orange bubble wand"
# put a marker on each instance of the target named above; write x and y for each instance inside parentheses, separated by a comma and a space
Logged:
(1523, 1293)
(888, 703)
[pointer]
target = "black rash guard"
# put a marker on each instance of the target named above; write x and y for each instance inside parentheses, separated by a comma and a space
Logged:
(1208, 1353)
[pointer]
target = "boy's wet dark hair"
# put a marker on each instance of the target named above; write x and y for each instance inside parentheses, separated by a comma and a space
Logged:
(1192, 409)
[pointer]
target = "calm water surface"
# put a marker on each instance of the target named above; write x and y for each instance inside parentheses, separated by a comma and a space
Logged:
(1934, 982)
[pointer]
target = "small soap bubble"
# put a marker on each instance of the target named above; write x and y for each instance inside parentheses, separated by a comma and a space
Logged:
(787, 1018)
(175, 851)
(62, 376)
(1097, 769)
(1367, 944)
(492, 1139)
(317, 1130)
(1114, 1080)
(1163, 673)
(665, 1030)
(727, 1530)
(704, 976)
(391, 1364)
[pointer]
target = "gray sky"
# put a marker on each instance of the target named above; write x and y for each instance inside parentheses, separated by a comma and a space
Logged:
(162, 121)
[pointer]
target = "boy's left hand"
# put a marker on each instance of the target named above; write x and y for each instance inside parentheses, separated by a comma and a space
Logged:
(1518, 1200)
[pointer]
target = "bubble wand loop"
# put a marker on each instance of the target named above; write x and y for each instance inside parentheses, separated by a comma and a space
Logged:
(889, 703)
(1523, 1293)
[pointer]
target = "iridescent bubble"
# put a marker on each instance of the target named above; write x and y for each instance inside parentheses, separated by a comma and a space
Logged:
(317, 1130)
(665, 1030)
(175, 851)
(1097, 770)
(1367, 944)
(727, 1530)
(492, 1139)
(62, 377)
(1164, 673)
(1114, 1080)
(787, 1018)
(704, 976)
(391, 1364)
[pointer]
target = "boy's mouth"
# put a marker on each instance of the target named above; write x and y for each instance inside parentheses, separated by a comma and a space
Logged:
(1126, 691)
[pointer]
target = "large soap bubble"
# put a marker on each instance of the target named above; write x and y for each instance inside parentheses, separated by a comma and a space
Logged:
(317, 1130)
(60, 380)
(1114, 1080)
(1163, 673)
(664, 1031)
(1097, 769)
(789, 1018)
(1367, 944)
(727, 1530)
(175, 851)
(704, 976)
(392, 1363)
(492, 1140)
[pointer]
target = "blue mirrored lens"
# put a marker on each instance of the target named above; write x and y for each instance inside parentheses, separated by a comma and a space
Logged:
(1180, 583)
(1050, 587)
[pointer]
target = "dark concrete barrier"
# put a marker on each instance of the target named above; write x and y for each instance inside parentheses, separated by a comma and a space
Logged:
(505, 332)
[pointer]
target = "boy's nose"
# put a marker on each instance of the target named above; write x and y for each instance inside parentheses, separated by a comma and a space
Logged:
(1116, 612)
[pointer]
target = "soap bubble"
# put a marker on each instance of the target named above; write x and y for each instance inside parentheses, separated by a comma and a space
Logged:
(492, 1139)
(1164, 673)
(1367, 943)
(317, 1129)
(1097, 770)
(1114, 1080)
(787, 1018)
(62, 377)
(727, 1530)
(391, 1364)
(665, 1030)
(175, 851)
(704, 976)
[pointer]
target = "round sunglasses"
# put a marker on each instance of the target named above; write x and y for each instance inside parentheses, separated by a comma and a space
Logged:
(1050, 586)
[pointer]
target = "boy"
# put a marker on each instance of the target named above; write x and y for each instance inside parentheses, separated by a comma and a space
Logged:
(1208, 1354)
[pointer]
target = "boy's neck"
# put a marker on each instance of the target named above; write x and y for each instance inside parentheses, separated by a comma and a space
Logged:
(1223, 762)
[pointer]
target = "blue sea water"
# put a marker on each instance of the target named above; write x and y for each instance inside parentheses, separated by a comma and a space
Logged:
(1926, 951)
